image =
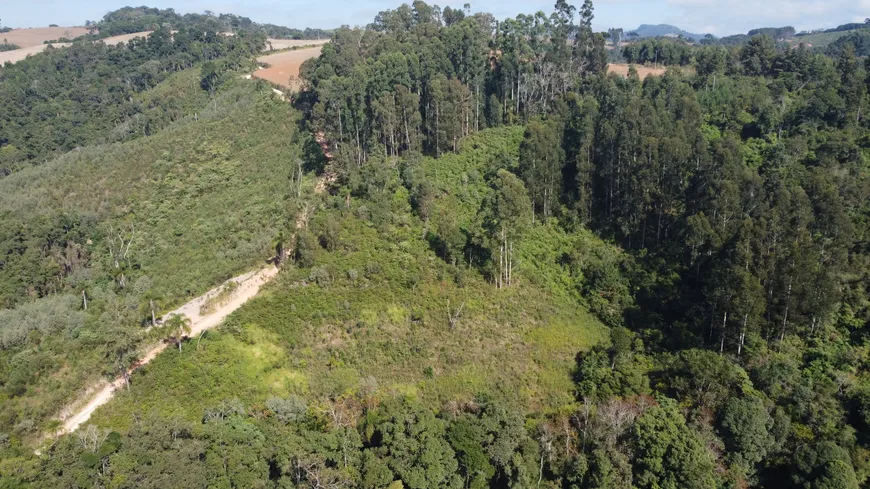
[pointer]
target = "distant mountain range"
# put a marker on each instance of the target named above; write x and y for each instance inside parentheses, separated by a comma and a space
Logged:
(648, 30)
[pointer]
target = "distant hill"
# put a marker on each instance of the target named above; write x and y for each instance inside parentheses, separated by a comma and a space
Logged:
(648, 30)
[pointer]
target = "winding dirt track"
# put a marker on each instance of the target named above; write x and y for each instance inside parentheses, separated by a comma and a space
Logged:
(249, 285)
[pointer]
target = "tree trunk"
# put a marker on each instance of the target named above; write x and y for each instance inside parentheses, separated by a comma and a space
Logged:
(785, 315)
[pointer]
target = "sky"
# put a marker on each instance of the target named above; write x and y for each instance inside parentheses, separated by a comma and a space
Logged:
(718, 17)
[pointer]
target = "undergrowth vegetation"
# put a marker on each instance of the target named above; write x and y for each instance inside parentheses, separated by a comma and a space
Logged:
(94, 239)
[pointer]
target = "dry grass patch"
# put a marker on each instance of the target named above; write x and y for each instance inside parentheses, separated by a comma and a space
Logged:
(642, 71)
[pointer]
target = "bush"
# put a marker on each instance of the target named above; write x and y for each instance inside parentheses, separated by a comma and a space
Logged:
(329, 236)
(305, 251)
(287, 410)
(320, 276)
(372, 269)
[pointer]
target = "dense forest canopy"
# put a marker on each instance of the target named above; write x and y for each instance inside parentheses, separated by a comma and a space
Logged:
(715, 221)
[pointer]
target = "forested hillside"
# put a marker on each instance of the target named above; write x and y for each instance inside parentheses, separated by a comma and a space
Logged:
(85, 94)
(513, 271)
(130, 20)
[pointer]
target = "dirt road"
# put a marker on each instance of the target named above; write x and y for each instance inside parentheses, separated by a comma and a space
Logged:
(249, 285)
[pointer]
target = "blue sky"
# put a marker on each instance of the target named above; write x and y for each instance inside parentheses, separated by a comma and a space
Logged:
(720, 17)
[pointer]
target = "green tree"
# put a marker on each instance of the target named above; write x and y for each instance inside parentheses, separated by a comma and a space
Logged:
(177, 326)
(507, 215)
(412, 443)
(746, 430)
(669, 455)
(541, 162)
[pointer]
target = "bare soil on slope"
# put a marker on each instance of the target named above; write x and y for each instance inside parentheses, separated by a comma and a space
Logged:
(284, 67)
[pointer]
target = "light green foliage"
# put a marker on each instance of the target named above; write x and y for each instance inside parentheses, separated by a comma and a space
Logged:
(386, 324)
(30, 322)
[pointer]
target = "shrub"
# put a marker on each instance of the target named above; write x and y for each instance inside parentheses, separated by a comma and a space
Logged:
(305, 251)
(320, 276)
(372, 269)
(287, 410)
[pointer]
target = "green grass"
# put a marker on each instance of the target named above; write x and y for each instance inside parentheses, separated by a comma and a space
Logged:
(376, 324)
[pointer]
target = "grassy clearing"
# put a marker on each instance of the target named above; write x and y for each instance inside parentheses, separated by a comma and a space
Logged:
(370, 317)
(379, 323)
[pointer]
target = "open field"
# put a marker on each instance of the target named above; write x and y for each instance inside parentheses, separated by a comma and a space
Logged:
(642, 71)
(285, 65)
(37, 36)
(115, 40)
(17, 55)
(294, 43)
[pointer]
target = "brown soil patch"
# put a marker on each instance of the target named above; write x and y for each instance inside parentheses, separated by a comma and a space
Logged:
(36, 36)
(284, 67)
(19, 54)
(293, 43)
(115, 40)
(642, 71)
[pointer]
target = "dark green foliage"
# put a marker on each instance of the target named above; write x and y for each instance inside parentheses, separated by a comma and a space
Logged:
(305, 248)
(417, 80)
(860, 41)
(7, 46)
(660, 51)
(410, 441)
(64, 221)
(669, 454)
(746, 430)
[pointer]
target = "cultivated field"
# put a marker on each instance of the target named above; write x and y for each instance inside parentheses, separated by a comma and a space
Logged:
(17, 55)
(114, 40)
(293, 43)
(642, 71)
(285, 65)
(38, 35)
